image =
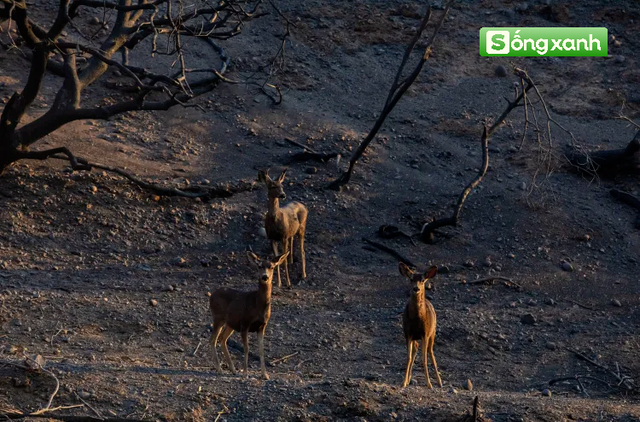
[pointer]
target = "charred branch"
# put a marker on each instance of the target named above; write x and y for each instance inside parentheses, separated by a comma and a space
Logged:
(397, 90)
(427, 233)
(608, 162)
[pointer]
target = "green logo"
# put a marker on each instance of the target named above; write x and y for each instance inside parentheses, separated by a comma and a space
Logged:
(543, 42)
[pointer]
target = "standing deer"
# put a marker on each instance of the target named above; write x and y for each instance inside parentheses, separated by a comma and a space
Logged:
(283, 223)
(419, 322)
(245, 312)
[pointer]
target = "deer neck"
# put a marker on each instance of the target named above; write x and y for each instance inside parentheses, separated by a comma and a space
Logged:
(274, 206)
(417, 303)
(264, 293)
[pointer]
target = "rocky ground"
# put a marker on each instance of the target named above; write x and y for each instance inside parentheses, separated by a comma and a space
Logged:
(109, 283)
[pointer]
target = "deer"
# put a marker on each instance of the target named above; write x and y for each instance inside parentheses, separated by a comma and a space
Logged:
(246, 312)
(282, 224)
(419, 322)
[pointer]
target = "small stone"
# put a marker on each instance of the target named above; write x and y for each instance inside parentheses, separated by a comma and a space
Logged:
(262, 232)
(205, 262)
(523, 186)
(616, 303)
(550, 302)
(617, 43)
(528, 319)
(546, 392)
(501, 71)
(586, 238)
(522, 7)
(469, 263)
(153, 302)
(566, 266)
(311, 170)
(453, 391)
(444, 269)
(551, 346)
(84, 394)
(469, 385)
(94, 21)
(179, 262)
(620, 59)
(512, 148)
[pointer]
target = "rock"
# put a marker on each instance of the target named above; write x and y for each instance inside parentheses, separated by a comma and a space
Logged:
(205, 262)
(311, 170)
(620, 59)
(84, 394)
(469, 263)
(153, 302)
(469, 385)
(94, 21)
(453, 391)
(566, 266)
(522, 7)
(528, 319)
(550, 302)
(616, 303)
(179, 262)
(523, 186)
(551, 346)
(546, 392)
(501, 71)
(262, 232)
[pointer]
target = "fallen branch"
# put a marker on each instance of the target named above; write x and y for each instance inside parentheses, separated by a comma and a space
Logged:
(203, 192)
(579, 304)
(625, 383)
(273, 362)
(390, 251)
(608, 162)
(489, 281)
(427, 234)
(308, 154)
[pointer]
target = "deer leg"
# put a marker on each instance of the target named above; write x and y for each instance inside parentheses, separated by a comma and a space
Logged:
(302, 256)
(433, 360)
(217, 328)
(225, 336)
(425, 347)
(274, 246)
(261, 350)
(291, 250)
(245, 343)
(285, 245)
(410, 357)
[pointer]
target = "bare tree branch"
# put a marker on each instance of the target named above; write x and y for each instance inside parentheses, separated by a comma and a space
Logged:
(396, 91)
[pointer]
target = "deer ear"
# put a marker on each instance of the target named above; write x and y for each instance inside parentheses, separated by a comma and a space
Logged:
(279, 259)
(263, 176)
(431, 272)
(405, 270)
(281, 178)
(254, 260)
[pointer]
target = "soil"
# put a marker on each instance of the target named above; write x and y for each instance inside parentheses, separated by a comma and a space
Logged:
(109, 283)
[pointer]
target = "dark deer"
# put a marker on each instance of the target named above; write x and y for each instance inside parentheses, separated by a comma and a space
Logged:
(247, 312)
(282, 224)
(419, 322)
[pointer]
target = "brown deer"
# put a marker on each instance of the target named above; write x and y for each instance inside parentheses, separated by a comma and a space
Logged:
(419, 322)
(247, 312)
(283, 223)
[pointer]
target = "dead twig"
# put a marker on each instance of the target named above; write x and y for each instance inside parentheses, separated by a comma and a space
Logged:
(273, 362)
(196, 349)
(490, 281)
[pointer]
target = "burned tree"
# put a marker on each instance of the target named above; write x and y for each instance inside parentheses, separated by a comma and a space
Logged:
(160, 28)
